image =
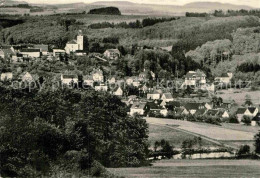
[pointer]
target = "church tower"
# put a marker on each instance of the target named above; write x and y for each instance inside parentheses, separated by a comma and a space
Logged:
(80, 40)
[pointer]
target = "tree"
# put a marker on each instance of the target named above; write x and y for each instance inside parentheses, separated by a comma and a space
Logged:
(243, 150)
(247, 120)
(257, 143)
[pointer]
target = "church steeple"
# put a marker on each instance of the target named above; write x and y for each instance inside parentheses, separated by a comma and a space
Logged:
(80, 40)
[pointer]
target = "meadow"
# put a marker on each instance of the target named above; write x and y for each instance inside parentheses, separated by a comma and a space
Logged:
(194, 168)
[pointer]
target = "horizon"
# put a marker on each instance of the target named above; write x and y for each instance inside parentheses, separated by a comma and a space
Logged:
(251, 3)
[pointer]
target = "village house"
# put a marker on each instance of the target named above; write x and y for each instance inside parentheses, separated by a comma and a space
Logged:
(112, 54)
(118, 91)
(101, 87)
(112, 80)
(75, 45)
(194, 107)
(167, 97)
(193, 78)
(31, 52)
(173, 105)
(240, 113)
(223, 114)
(58, 53)
(69, 79)
(8, 51)
(153, 95)
(137, 108)
(88, 80)
(155, 108)
(256, 120)
(6, 76)
(27, 77)
(213, 112)
(181, 111)
(97, 75)
(44, 49)
(250, 112)
(224, 78)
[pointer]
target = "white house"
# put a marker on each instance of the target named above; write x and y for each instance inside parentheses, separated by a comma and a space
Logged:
(26, 77)
(112, 54)
(154, 95)
(31, 52)
(251, 112)
(6, 76)
(193, 78)
(101, 87)
(75, 45)
(224, 78)
(69, 79)
(137, 108)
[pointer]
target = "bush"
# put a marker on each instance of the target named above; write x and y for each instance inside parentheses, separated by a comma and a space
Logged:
(243, 150)
(247, 120)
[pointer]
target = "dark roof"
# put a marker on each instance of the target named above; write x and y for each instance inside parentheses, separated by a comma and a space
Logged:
(251, 109)
(42, 47)
(191, 106)
(70, 76)
(8, 51)
(212, 112)
(200, 111)
(138, 105)
(224, 75)
(241, 110)
(154, 106)
(179, 110)
(72, 42)
(30, 50)
(174, 104)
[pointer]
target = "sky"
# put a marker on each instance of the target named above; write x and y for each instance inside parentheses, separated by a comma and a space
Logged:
(252, 3)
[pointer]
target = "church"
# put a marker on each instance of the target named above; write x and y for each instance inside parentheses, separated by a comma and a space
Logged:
(75, 45)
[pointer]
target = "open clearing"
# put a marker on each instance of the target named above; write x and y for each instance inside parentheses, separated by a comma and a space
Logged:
(239, 95)
(194, 168)
(175, 137)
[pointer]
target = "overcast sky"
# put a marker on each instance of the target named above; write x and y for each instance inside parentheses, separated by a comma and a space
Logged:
(253, 3)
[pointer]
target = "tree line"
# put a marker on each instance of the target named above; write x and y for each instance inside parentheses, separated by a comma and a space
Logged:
(137, 24)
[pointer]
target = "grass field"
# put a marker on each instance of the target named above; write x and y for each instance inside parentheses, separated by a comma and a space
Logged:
(175, 137)
(194, 168)
(240, 95)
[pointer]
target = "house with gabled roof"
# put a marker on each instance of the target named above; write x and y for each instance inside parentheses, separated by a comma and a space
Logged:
(44, 49)
(194, 107)
(224, 78)
(30, 52)
(256, 120)
(223, 114)
(112, 54)
(200, 112)
(213, 112)
(167, 97)
(240, 113)
(138, 108)
(172, 105)
(28, 77)
(181, 111)
(69, 79)
(251, 111)
(194, 78)
(118, 91)
(74, 45)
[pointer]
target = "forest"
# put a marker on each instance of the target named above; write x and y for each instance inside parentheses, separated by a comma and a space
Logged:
(43, 132)
(105, 11)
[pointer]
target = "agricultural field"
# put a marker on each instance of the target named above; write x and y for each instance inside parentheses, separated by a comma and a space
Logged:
(215, 134)
(194, 168)
(175, 137)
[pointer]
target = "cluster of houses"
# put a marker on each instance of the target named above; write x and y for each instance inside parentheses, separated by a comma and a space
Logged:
(20, 53)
